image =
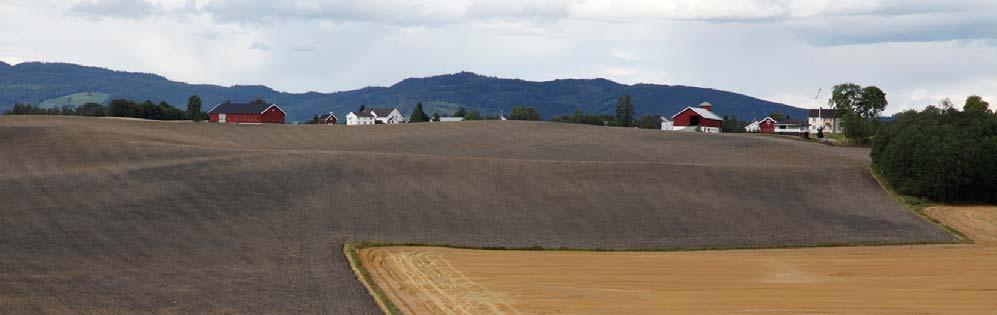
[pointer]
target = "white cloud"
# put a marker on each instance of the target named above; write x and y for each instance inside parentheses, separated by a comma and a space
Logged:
(259, 46)
(622, 54)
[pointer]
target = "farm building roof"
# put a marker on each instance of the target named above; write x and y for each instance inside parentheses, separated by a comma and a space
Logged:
(702, 112)
(791, 122)
(240, 108)
(380, 112)
(823, 113)
(326, 116)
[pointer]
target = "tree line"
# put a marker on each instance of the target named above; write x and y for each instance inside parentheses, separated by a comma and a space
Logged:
(120, 108)
(941, 153)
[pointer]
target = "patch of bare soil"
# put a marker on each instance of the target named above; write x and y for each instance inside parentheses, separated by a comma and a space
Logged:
(929, 279)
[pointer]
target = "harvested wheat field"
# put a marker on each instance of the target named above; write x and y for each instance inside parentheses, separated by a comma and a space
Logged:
(916, 279)
(129, 216)
(977, 223)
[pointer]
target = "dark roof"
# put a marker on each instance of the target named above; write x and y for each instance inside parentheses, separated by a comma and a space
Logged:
(790, 122)
(326, 116)
(380, 112)
(240, 108)
(824, 113)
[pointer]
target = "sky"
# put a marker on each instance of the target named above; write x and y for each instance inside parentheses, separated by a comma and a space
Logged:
(918, 52)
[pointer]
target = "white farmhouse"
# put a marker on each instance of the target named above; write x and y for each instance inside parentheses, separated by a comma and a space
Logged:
(754, 126)
(826, 119)
(375, 116)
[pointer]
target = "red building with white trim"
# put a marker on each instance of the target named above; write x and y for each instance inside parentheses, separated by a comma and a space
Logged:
(702, 117)
(247, 113)
(767, 125)
(327, 119)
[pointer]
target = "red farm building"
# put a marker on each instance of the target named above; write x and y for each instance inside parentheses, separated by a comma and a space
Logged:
(247, 113)
(327, 119)
(767, 125)
(703, 117)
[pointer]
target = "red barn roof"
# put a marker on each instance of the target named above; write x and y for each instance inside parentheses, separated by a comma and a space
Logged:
(243, 108)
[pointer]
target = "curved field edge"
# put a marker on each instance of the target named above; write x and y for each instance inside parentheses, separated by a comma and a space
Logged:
(918, 205)
(363, 276)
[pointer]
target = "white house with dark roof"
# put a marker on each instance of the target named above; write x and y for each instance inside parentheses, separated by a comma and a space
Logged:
(824, 118)
(375, 116)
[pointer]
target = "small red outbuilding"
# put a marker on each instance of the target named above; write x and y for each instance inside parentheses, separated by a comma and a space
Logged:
(327, 119)
(247, 113)
(767, 125)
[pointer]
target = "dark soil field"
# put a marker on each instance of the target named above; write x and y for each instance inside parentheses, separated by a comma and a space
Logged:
(124, 216)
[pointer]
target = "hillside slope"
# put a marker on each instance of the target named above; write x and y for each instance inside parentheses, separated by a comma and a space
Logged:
(34, 82)
(129, 216)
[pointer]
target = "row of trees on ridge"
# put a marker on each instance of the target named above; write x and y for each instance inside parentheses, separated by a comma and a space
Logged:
(120, 108)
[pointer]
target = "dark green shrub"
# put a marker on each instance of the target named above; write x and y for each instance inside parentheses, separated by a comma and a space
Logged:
(944, 155)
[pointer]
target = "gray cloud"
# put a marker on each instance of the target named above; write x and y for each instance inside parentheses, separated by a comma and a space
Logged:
(907, 29)
(99, 9)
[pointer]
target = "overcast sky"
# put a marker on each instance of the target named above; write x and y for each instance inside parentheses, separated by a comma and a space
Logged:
(782, 50)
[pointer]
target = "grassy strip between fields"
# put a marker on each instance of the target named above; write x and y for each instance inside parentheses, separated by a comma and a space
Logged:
(917, 205)
(352, 255)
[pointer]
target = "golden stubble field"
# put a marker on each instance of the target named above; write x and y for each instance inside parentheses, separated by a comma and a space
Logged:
(928, 279)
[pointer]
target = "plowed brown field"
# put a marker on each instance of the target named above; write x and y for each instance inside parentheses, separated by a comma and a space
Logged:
(928, 279)
(135, 217)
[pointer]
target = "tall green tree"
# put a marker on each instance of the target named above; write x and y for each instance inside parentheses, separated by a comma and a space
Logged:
(859, 109)
(460, 112)
(844, 97)
(628, 111)
(620, 111)
(778, 116)
(194, 107)
(871, 103)
(418, 115)
(624, 111)
(975, 104)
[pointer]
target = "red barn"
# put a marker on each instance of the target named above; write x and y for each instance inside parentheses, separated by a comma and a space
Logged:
(327, 119)
(702, 117)
(247, 113)
(767, 125)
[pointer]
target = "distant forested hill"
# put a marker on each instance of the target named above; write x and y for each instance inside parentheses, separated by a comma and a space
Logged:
(36, 82)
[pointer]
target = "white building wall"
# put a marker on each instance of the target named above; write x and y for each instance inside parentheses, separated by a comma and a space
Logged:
(709, 129)
(667, 125)
(352, 120)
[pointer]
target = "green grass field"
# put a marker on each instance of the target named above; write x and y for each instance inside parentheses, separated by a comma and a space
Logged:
(77, 99)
